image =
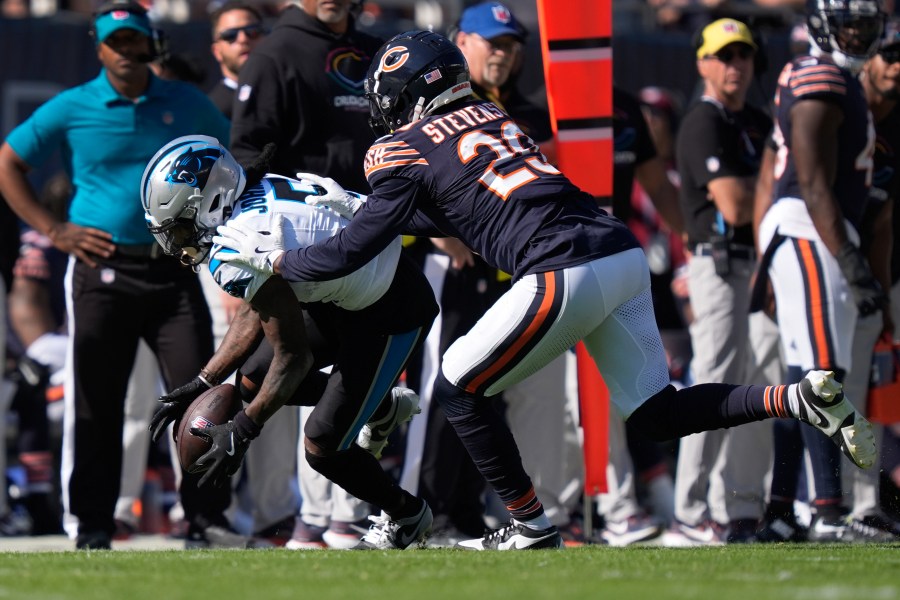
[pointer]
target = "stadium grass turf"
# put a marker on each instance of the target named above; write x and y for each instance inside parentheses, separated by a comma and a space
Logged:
(810, 571)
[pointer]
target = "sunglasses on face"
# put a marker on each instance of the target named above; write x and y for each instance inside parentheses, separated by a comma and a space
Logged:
(250, 31)
(727, 55)
(890, 55)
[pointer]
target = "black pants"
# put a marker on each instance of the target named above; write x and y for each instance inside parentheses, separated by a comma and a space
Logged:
(112, 307)
(448, 479)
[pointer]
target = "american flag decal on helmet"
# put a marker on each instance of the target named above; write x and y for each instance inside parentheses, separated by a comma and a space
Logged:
(433, 76)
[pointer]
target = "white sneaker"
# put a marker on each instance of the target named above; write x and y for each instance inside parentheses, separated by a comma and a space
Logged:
(374, 434)
(385, 534)
(823, 405)
(634, 529)
(516, 536)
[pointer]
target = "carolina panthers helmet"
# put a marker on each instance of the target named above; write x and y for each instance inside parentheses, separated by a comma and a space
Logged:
(187, 190)
(848, 30)
(412, 75)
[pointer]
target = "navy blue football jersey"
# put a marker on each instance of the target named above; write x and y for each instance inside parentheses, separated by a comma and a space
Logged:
(817, 78)
(474, 175)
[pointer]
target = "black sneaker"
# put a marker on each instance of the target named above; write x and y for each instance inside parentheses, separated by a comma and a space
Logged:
(780, 528)
(871, 530)
(516, 536)
(829, 529)
(93, 540)
(218, 536)
(386, 534)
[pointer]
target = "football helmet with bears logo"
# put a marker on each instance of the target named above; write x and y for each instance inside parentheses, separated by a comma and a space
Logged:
(848, 30)
(412, 75)
(188, 189)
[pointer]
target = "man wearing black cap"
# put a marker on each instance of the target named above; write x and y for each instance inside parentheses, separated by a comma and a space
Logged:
(121, 287)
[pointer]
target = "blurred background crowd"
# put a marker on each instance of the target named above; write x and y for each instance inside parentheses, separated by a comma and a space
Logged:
(46, 49)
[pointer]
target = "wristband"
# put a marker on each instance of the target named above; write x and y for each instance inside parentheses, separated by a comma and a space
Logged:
(207, 378)
(245, 427)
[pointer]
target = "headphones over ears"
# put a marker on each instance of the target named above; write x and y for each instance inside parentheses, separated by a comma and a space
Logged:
(760, 58)
(159, 41)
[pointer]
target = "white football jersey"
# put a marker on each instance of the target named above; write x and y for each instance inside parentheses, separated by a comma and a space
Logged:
(283, 198)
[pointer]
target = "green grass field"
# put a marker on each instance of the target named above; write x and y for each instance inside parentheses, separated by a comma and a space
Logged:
(798, 572)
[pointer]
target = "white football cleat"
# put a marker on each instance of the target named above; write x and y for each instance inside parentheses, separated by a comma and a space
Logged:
(374, 434)
(387, 534)
(516, 536)
(823, 405)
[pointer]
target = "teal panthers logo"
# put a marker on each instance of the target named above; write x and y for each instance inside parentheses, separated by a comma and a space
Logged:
(193, 166)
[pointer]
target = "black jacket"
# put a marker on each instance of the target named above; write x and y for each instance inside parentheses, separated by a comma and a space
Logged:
(302, 88)
(222, 95)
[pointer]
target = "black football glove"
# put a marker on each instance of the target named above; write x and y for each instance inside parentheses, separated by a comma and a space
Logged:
(175, 404)
(229, 444)
(867, 292)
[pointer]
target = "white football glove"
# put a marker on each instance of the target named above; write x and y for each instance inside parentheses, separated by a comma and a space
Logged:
(257, 250)
(336, 198)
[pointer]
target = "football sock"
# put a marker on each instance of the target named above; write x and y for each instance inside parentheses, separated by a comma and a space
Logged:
(527, 509)
(539, 523)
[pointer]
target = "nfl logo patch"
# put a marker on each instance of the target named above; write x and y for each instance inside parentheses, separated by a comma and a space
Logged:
(107, 276)
(501, 13)
(244, 92)
(201, 423)
(433, 76)
(120, 15)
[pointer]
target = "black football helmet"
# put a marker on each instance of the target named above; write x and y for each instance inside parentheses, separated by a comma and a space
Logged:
(411, 75)
(848, 30)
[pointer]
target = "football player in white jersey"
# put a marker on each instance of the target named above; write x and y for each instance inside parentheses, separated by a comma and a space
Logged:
(366, 324)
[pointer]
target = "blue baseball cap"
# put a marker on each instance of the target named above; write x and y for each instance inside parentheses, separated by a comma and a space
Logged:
(108, 23)
(491, 20)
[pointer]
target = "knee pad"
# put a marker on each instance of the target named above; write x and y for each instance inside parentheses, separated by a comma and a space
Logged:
(657, 415)
(455, 401)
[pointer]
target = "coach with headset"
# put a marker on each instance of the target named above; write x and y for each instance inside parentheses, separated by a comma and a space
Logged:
(120, 286)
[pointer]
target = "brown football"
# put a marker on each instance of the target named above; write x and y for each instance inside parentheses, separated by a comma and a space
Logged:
(216, 406)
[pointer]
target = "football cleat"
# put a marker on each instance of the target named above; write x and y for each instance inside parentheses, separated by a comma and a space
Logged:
(823, 405)
(374, 435)
(516, 536)
(828, 529)
(781, 528)
(385, 534)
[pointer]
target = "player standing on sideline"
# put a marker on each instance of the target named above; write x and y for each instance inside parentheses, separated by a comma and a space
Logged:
(375, 316)
(120, 286)
(453, 165)
(821, 280)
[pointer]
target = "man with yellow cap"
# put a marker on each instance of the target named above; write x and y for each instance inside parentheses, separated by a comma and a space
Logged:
(718, 485)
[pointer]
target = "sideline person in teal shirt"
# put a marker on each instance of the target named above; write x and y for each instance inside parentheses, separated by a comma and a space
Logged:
(120, 286)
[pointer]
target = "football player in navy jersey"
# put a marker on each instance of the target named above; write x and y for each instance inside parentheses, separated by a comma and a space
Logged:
(449, 164)
(810, 234)
(365, 323)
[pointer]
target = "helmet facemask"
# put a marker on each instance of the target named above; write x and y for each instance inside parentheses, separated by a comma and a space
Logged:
(848, 30)
(188, 189)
